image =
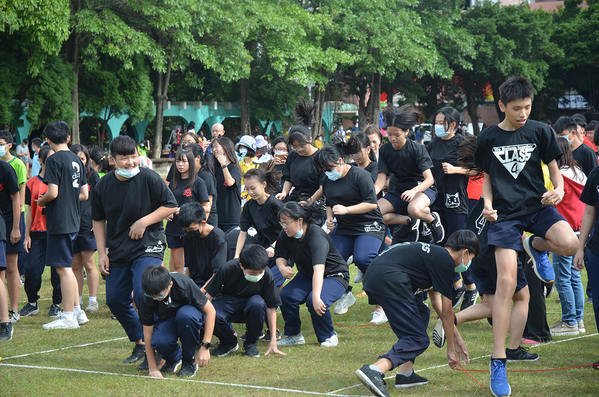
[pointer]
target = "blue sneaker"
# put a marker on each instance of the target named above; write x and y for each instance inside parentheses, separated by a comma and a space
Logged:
(498, 379)
(540, 262)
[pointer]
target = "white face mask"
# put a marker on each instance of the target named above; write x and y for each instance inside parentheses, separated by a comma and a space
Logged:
(253, 279)
(126, 173)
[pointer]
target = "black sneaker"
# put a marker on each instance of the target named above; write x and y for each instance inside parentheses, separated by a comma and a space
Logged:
(54, 311)
(414, 229)
(470, 297)
(457, 295)
(548, 289)
(373, 380)
(6, 331)
(144, 366)
(188, 369)
(267, 336)
(170, 367)
(595, 365)
(138, 354)
(437, 228)
(29, 310)
(520, 354)
(426, 236)
(405, 382)
(251, 350)
(244, 336)
(222, 350)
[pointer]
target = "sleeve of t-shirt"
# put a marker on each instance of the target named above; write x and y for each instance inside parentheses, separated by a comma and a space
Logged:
(200, 191)
(270, 293)
(382, 163)
(590, 160)
(319, 248)
(53, 171)
(97, 207)
(550, 149)
(235, 173)
(281, 249)
(9, 179)
(246, 221)
(589, 193)
(366, 187)
(27, 195)
(422, 158)
(195, 296)
(146, 312)
(21, 170)
(219, 256)
(162, 196)
(286, 171)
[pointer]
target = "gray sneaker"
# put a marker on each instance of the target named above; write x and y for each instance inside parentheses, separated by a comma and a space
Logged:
(54, 311)
(564, 329)
(373, 380)
(14, 316)
(6, 331)
(29, 310)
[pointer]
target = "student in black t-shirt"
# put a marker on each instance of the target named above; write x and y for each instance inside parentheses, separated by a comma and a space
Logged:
(85, 247)
(396, 279)
(67, 187)
(244, 291)
(130, 204)
(583, 154)
(205, 246)
(228, 183)
(173, 308)
(203, 165)
(279, 152)
(322, 275)
(187, 187)
(515, 199)
(8, 181)
(409, 161)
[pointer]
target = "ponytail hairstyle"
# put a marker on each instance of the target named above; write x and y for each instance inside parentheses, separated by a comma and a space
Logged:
(198, 151)
(566, 160)
(304, 116)
(466, 155)
(310, 213)
(229, 150)
(356, 143)
(88, 164)
(327, 155)
(44, 151)
(265, 173)
(184, 153)
(99, 157)
(451, 116)
(403, 118)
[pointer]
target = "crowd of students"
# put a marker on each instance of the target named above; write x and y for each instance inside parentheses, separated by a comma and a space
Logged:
(239, 218)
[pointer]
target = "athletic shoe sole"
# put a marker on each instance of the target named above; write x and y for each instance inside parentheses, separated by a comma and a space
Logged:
(234, 349)
(368, 383)
(439, 334)
(410, 385)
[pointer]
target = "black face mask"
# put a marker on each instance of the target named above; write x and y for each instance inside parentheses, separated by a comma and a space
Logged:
(194, 234)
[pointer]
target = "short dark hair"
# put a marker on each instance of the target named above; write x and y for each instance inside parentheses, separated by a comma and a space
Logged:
(37, 142)
(43, 154)
(155, 279)
(191, 213)
(564, 123)
(592, 125)
(57, 131)
(123, 145)
(7, 136)
(464, 239)
(514, 88)
(580, 120)
(253, 257)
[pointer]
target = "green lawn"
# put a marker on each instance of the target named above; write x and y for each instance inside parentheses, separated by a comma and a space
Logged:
(97, 369)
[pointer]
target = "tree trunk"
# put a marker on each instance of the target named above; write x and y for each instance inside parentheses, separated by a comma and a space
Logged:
(319, 97)
(376, 96)
(362, 106)
(245, 106)
(472, 105)
(161, 97)
(495, 87)
(75, 138)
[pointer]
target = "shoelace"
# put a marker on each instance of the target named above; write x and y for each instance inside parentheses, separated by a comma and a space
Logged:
(499, 374)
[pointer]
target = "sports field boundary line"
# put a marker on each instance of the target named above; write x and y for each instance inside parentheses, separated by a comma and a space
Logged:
(472, 359)
(64, 348)
(85, 371)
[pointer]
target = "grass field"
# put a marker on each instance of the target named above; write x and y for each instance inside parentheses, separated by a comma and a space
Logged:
(88, 361)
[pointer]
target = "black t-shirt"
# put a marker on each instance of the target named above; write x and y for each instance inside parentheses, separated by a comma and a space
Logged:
(373, 169)
(8, 186)
(85, 229)
(264, 218)
(210, 182)
(407, 269)
(354, 188)
(452, 196)
(590, 196)
(586, 158)
(303, 175)
(121, 204)
(230, 281)
(228, 204)
(196, 193)
(407, 164)
(64, 169)
(315, 248)
(204, 256)
(513, 161)
(480, 226)
(280, 168)
(183, 292)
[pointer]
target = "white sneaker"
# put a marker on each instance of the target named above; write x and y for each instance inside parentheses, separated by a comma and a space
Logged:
(92, 307)
(346, 301)
(350, 260)
(290, 340)
(331, 342)
(61, 323)
(379, 317)
(82, 318)
(439, 334)
(359, 277)
(563, 329)
(581, 328)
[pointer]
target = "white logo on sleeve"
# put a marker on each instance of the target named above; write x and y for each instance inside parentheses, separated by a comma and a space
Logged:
(514, 157)
(452, 200)
(76, 174)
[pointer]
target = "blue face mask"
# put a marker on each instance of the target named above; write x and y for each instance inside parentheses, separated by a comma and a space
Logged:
(300, 233)
(568, 138)
(441, 131)
(125, 173)
(461, 267)
(3, 150)
(281, 152)
(333, 174)
(243, 152)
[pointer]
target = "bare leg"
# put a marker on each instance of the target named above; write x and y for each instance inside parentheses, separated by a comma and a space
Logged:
(3, 299)
(477, 312)
(560, 239)
(384, 364)
(68, 284)
(93, 279)
(177, 260)
(14, 281)
(77, 268)
(518, 317)
(419, 208)
(507, 262)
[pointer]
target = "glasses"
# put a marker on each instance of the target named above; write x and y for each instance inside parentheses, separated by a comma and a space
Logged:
(286, 225)
(159, 298)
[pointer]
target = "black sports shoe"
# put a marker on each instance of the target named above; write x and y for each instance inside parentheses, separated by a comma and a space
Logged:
(425, 234)
(6, 331)
(373, 380)
(54, 311)
(170, 367)
(222, 350)
(405, 382)
(470, 297)
(188, 369)
(144, 366)
(138, 354)
(267, 336)
(29, 310)
(414, 229)
(244, 336)
(437, 228)
(548, 289)
(457, 295)
(520, 354)
(251, 350)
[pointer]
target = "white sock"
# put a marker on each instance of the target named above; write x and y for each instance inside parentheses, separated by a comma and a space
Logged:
(80, 301)
(69, 315)
(92, 299)
(34, 304)
(77, 310)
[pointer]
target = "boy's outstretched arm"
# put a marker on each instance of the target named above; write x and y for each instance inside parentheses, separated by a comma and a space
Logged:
(555, 196)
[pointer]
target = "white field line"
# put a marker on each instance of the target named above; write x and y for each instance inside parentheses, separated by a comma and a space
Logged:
(63, 348)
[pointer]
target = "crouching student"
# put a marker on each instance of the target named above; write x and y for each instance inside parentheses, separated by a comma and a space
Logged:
(323, 275)
(204, 246)
(173, 308)
(396, 280)
(245, 291)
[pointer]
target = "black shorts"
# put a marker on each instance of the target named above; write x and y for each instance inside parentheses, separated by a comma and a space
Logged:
(59, 249)
(16, 248)
(401, 206)
(2, 255)
(485, 278)
(508, 234)
(174, 241)
(82, 244)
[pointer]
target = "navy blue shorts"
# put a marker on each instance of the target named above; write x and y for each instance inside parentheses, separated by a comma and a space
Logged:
(3, 265)
(13, 248)
(508, 234)
(59, 249)
(82, 244)
(485, 278)
(400, 206)
(174, 242)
